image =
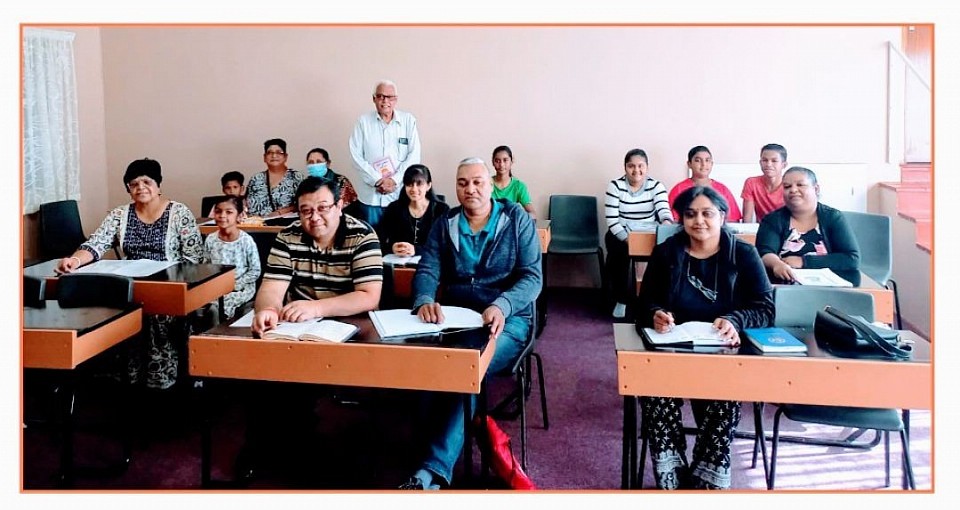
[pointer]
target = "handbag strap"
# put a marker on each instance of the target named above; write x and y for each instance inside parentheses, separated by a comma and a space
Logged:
(871, 336)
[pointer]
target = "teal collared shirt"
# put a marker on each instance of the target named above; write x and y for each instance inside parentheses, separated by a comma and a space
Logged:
(472, 244)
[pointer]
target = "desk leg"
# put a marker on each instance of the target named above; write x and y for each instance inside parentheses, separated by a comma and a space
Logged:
(628, 466)
(205, 435)
(467, 436)
(482, 429)
(66, 398)
(904, 468)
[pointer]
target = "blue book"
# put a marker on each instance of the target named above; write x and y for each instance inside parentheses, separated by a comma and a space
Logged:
(775, 340)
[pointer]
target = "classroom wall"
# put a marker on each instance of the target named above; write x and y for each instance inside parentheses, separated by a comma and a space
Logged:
(569, 100)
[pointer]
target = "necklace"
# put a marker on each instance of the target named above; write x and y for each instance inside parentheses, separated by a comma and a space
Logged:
(415, 225)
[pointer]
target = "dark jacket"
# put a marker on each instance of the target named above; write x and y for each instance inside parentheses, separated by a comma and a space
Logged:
(742, 283)
(508, 274)
(843, 253)
(397, 224)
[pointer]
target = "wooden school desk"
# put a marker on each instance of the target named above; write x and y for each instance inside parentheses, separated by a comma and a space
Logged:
(364, 361)
(817, 378)
(177, 290)
(63, 338)
(640, 245)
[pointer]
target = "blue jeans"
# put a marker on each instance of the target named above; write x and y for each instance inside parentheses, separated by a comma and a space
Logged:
(446, 409)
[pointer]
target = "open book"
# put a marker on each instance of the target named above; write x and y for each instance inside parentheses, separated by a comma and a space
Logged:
(313, 330)
(694, 332)
(131, 268)
(400, 322)
(823, 277)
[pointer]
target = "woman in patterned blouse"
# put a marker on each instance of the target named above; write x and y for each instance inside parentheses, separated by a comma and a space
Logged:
(155, 228)
(270, 192)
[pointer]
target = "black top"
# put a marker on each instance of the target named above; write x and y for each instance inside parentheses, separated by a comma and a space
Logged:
(744, 295)
(398, 226)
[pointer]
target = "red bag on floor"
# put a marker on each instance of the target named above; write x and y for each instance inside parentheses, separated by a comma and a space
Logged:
(504, 464)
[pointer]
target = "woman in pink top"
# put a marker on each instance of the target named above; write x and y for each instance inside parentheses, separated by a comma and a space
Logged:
(700, 163)
(763, 194)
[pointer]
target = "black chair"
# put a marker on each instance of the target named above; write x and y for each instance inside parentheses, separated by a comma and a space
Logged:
(574, 229)
(521, 370)
(60, 231)
(875, 237)
(206, 205)
(34, 291)
(76, 290)
(796, 306)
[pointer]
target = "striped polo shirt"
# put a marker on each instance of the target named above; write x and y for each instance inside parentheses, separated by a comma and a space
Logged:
(314, 273)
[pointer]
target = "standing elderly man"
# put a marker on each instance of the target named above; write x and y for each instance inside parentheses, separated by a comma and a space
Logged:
(485, 255)
(383, 144)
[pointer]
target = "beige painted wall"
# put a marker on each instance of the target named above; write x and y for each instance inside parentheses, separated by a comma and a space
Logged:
(569, 100)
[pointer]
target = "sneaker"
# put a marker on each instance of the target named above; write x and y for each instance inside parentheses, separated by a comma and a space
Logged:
(619, 311)
(416, 484)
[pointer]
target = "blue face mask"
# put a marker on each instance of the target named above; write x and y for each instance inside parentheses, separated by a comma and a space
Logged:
(317, 170)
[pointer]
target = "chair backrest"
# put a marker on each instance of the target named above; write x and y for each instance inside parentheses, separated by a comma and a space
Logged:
(875, 238)
(797, 305)
(264, 241)
(34, 290)
(60, 231)
(665, 231)
(573, 219)
(206, 205)
(87, 289)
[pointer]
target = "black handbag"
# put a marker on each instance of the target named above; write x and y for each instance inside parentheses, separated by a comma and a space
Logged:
(852, 336)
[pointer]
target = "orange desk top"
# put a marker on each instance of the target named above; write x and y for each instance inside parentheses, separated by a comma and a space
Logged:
(814, 379)
(64, 338)
(363, 361)
(178, 290)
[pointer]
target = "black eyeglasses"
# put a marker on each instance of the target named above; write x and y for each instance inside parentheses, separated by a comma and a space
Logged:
(711, 295)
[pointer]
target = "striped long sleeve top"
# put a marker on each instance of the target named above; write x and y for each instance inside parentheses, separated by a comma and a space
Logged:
(623, 206)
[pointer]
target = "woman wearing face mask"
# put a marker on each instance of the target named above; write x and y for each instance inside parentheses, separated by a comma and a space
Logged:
(407, 221)
(319, 165)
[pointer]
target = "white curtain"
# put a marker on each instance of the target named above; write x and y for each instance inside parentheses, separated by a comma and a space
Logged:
(51, 138)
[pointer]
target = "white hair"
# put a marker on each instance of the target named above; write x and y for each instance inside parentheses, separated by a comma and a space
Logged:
(473, 161)
(385, 83)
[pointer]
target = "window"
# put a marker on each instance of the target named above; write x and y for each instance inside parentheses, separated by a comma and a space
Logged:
(51, 138)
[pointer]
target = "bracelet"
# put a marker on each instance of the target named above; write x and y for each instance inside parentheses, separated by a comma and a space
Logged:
(79, 262)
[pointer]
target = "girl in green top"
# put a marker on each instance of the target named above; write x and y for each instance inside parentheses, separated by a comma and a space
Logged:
(505, 185)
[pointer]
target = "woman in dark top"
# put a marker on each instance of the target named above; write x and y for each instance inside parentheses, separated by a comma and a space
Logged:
(806, 234)
(407, 221)
(702, 273)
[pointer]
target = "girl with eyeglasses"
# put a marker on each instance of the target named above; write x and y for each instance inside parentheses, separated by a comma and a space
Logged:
(702, 273)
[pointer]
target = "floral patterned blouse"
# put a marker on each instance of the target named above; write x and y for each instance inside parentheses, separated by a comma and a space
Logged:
(261, 202)
(174, 236)
(243, 255)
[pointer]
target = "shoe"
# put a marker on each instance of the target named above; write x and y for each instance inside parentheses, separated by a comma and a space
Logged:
(413, 484)
(619, 311)
(416, 484)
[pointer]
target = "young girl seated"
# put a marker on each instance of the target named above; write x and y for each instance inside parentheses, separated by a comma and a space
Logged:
(230, 245)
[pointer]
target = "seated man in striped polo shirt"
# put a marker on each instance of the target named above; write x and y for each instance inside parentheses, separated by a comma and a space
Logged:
(327, 264)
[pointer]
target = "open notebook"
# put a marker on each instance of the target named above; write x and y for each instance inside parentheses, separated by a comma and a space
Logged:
(694, 332)
(400, 322)
(823, 277)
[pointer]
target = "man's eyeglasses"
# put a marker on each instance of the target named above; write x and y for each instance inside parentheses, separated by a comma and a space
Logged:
(275, 153)
(382, 97)
(321, 209)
